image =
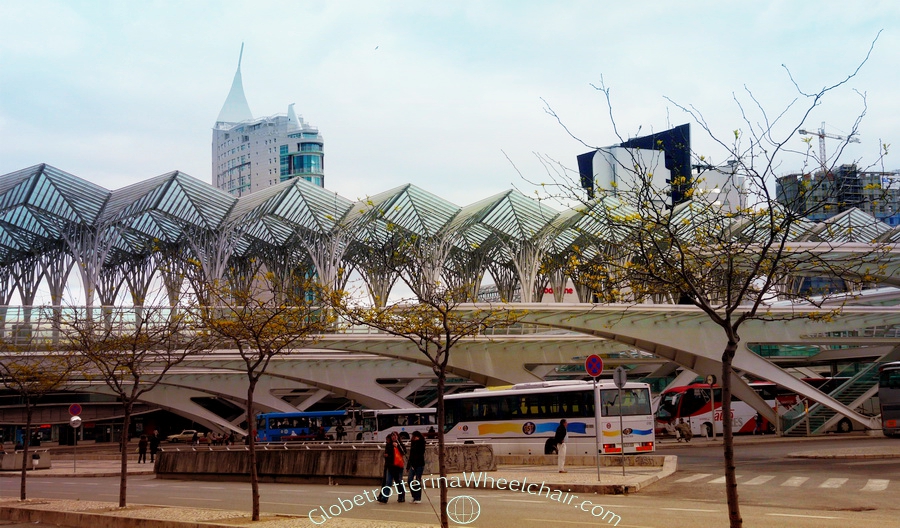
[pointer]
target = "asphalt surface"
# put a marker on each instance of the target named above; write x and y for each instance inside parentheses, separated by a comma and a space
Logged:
(93, 515)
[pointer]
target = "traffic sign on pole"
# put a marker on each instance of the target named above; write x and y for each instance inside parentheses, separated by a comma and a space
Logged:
(620, 376)
(75, 409)
(593, 365)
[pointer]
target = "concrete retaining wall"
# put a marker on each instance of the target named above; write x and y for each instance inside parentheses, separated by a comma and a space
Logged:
(582, 460)
(13, 461)
(299, 463)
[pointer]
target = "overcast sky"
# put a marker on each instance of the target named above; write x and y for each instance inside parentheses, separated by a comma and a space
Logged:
(438, 94)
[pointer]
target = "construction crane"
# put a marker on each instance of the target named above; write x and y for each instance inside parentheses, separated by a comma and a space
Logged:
(822, 135)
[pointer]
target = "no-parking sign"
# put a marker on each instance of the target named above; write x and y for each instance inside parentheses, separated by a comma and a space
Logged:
(593, 365)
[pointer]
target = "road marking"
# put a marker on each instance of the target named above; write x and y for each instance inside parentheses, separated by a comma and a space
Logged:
(721, 480)
(521, 500)
(756, 481)
(591, 523)
(196, 499)
(876, 485)
(211, 488)
(289, 503)
(693, 478)
(833, 483)
(795, 482)
(407, 511)
(802, 516)
(690, 510)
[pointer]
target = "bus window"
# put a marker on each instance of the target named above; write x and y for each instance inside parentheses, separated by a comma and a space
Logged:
(889, 379)
(634, 402)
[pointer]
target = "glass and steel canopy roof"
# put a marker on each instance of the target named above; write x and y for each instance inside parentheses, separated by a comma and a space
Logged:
(40, 205)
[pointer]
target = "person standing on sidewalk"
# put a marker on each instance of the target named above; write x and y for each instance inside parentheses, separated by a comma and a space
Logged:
(416, 465)
(154, 445)
(560, 440)
(393, 469)
(142, 449)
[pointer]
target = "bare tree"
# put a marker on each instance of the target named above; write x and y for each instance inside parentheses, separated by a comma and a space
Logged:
(263, 318)
(434, 325)
(32, 371)
(130, 351)
(681, 241)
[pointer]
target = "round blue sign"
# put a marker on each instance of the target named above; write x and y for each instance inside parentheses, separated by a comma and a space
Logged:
(593, 365)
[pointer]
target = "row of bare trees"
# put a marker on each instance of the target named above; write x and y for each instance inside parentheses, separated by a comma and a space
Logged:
(131, 351)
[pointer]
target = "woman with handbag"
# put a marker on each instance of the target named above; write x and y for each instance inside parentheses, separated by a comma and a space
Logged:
(393, 469)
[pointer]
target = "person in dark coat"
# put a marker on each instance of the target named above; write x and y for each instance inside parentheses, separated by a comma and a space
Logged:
(154, 445)
(142, 449)
(416, 465)
(393, 469)
(560, 439)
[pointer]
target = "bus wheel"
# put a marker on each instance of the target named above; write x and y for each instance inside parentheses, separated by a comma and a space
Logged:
(844, 426)
(707, 428)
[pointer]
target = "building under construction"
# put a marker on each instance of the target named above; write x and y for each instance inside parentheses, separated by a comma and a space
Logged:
(823, 195)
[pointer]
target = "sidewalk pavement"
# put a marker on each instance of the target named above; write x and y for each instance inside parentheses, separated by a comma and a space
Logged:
(88, 514)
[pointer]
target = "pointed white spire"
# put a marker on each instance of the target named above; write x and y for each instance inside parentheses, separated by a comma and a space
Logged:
(236, 108)
(292, 117)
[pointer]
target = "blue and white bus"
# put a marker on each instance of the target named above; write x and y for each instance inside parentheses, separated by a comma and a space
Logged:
(302, 426)
(520, 419)
(377, 424)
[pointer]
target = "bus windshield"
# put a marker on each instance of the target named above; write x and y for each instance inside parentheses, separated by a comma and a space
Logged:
(634, 402)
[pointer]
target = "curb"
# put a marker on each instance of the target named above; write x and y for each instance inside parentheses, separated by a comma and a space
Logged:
(88, 519)
(845, 455)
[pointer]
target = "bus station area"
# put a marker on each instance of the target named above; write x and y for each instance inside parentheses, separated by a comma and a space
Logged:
(98, 461)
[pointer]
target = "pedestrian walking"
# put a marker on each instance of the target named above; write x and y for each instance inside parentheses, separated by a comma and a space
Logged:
(416, 465)
(393, 469)
(560, 439)
(195, 440)
(154, 445)
(142, 449)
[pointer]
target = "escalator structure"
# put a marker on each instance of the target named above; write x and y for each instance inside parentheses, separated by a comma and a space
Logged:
(853, 393)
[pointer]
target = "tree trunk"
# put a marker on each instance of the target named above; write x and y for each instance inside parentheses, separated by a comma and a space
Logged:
(123, 448)
(731, 491)
(26, 441)
(251, 451)
(442, 467)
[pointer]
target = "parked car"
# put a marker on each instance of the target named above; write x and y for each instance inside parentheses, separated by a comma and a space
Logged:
(187, 436)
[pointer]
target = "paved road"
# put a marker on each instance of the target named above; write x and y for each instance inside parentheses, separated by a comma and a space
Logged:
(767, 476)
(777, 491)
(498, 509)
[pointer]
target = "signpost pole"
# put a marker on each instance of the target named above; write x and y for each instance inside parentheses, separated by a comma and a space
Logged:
(711, 380)
(596, 430)
(620, 377)
(75, 422)
(593, 365)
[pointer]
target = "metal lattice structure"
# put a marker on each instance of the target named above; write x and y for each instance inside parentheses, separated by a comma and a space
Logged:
(180, 229)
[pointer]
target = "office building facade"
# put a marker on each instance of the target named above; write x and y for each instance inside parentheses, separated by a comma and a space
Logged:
(250, 154)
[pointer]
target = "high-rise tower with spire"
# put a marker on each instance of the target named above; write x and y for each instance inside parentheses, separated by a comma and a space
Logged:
(251, 154)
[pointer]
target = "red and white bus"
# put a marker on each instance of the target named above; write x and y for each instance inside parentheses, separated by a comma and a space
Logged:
(692, 403)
